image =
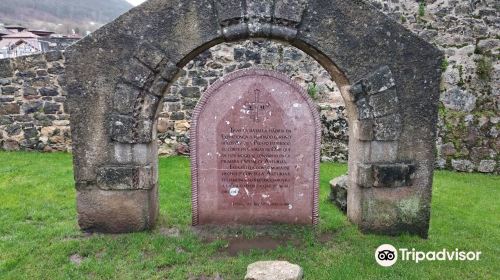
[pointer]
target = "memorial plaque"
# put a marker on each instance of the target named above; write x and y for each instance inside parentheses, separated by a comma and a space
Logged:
(255, 142)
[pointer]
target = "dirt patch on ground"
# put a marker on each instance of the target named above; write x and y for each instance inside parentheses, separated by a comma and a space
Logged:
(76, 259)
(325, 237)
(243, 239)
(243, 245)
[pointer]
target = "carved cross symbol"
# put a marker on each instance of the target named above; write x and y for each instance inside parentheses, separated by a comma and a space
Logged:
(257, 108)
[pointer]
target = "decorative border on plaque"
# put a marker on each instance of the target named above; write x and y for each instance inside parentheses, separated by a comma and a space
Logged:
(194, 131)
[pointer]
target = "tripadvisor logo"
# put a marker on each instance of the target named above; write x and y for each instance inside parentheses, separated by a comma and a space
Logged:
(386, 255)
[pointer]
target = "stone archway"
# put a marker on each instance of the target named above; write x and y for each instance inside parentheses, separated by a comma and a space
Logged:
(389, 78)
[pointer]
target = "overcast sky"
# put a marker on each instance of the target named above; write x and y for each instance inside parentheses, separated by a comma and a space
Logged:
(135, 2)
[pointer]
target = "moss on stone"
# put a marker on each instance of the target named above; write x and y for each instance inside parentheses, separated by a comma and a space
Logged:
(461, 82)
(421, 9)
(379, 213)
(408, 210)
(444, 64)
(484, 67)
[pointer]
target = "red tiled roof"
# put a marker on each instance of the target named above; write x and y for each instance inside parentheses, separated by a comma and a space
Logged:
(15, 27)
(24, 34)
(41, 32)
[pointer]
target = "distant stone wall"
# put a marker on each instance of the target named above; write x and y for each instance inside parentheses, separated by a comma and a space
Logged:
(32, 113)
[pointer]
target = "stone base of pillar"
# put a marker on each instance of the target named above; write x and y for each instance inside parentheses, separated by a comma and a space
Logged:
(117, 211)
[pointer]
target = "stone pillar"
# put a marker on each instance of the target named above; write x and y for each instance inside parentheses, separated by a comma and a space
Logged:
(125, 195)
(384, 194)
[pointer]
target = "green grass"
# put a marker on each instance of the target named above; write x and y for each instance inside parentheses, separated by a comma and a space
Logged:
(39, 233)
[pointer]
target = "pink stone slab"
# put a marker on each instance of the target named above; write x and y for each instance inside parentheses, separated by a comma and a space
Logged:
(255, 145)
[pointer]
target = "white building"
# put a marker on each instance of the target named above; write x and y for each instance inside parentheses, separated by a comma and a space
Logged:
(19, 41)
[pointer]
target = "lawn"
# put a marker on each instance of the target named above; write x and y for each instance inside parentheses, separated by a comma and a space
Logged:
(40, 239)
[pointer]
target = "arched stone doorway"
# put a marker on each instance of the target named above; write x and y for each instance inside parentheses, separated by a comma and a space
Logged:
(388, 77)
(174, 121)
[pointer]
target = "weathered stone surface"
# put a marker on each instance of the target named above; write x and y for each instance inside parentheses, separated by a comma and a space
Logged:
(26, 74)
(51, 108)
(9, 108)
(176, 116)
(125, 178)
(182, 126)
(384, 103)
(365, 112)
(462, 165)
(458, 99)
(392, 175)
(274, 270)
(136, 73)
(42, 73)
(385, 175)
(171, 98)
(149, 55)
(479, 153)
(5, 81)
(169, 71)
(149, 106)
(24, 63)
(388, 128)
(289, 11)
(30, 93)
(48, 91)
(175, 109)
(56, 69)
(53, 56)
(9, 90)
(363, 129)
(338, 192)
(260, 9)
(129, 210)
(384, 151)
(491, 46)
(159, 86)
(32, 107)
(364, 176)
(448, 149)
(230, 11)
(10, 145)
(30, 132)
(487, 166)
(5, 68)
(379, 81)
(126, 129)
(5, 99)
(125, 98)
(190, 92)
(249, 121)
(163, 125)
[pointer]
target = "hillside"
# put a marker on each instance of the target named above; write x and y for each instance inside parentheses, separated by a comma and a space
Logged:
(61, 15)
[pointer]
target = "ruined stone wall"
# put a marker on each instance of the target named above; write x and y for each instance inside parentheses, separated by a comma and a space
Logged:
(468, 31)
(32, 115)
